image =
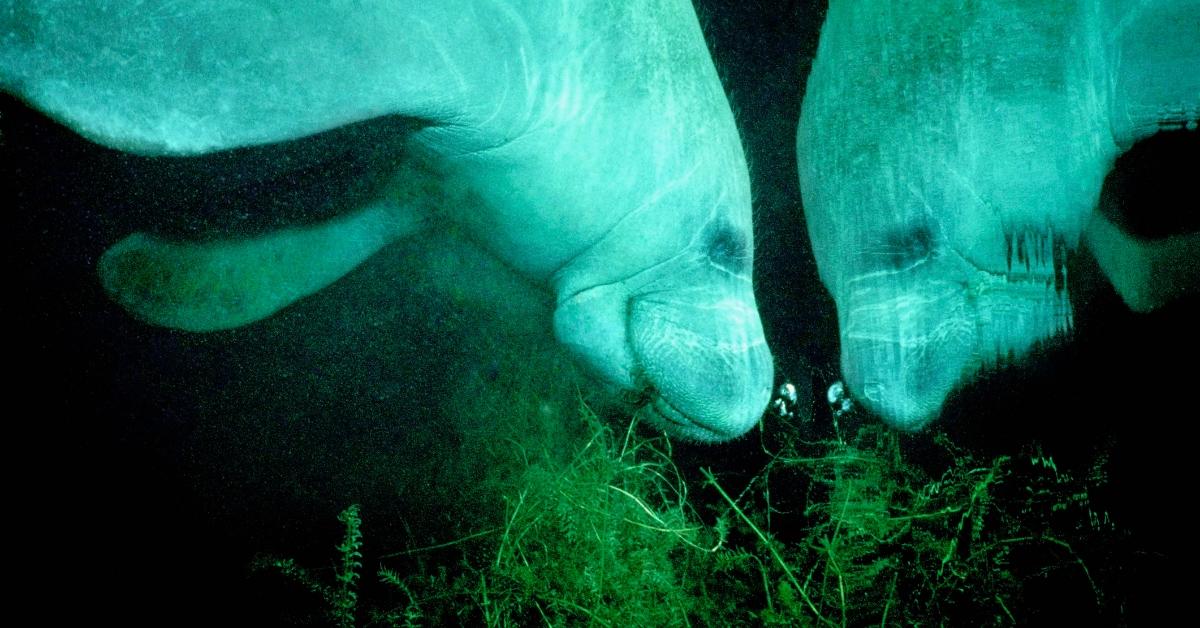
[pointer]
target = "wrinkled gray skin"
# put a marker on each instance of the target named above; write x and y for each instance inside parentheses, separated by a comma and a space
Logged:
(951, 153)
(596, 135)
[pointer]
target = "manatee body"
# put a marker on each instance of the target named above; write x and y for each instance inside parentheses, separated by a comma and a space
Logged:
(951, 154)
(595, 135)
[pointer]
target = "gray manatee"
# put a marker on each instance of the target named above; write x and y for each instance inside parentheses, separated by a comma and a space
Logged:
(594, 135)
(952, 152)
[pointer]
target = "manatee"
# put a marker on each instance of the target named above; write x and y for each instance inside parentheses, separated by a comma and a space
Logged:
(594, 135)
(952, 153)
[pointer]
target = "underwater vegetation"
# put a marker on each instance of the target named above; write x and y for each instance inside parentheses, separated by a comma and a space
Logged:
(847, 530)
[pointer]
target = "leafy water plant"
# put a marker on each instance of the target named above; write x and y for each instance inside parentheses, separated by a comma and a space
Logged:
(881, 540)
(838, 532)
(341, 598)
(609, 537)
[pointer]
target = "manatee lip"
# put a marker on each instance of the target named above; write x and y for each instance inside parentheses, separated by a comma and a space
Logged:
(678, 424)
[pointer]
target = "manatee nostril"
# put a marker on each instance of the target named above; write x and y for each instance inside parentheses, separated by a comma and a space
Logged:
(908, 246)
(728, 248)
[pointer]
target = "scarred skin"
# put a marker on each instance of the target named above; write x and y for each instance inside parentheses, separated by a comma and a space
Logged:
(594, 135)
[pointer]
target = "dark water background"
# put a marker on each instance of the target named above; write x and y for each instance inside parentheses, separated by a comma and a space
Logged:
(146, 467)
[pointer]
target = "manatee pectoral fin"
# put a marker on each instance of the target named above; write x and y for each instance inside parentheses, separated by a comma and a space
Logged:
(1146, 273)
(218, 285)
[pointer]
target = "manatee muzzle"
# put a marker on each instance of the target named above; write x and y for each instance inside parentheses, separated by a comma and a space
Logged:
(707, 361)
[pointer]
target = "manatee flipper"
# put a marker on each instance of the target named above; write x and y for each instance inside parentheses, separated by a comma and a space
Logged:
(209, 286)
(1146, 273)
(1145, 235)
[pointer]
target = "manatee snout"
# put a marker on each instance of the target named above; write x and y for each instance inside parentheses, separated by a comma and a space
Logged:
(698, 351)
(911, 337)
(707, 363)
(902, 383)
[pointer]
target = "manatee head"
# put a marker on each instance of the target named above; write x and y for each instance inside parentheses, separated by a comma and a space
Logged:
(684, 332)
(946, 169)
(914, 329)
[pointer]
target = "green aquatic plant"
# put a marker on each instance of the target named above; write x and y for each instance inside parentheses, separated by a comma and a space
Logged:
(847, 531)
(341, 599)
(344, 597)
(607, 538)
(883, 540)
